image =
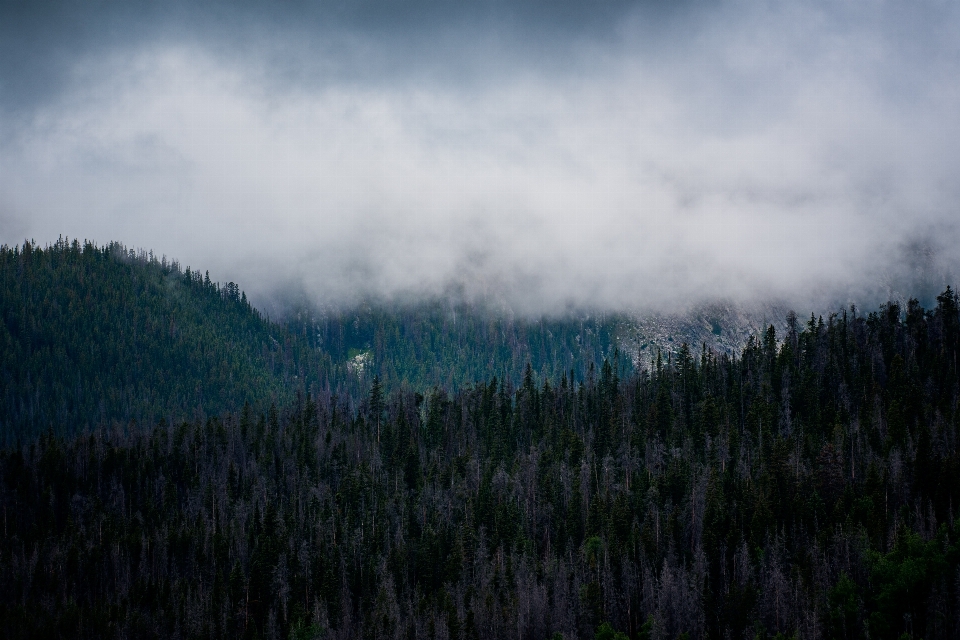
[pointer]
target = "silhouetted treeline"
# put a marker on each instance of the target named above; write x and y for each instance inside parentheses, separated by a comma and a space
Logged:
(806, 489)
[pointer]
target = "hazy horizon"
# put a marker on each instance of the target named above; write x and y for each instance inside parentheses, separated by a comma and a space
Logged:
(624, 155)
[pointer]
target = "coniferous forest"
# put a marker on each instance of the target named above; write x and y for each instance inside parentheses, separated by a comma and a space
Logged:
(92, 335)
(236, 483)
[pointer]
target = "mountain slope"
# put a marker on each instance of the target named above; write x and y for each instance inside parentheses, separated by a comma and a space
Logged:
(91, 334)
(804, 488)
(98, 334)
(453, 344)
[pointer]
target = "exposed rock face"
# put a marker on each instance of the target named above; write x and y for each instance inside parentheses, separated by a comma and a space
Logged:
(724, 327)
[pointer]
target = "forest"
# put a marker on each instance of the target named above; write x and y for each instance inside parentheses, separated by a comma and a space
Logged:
(803, 488)
(91, 335)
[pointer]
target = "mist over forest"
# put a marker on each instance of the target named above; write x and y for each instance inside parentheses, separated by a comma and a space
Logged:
(431, 320)
(614, 155)
(175, 463)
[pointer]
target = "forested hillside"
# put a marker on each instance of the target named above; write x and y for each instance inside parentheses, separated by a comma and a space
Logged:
(91, 335)
(805, 488)
(453, 344)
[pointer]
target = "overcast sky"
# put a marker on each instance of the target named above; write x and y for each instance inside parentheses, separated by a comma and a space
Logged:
(596, 153)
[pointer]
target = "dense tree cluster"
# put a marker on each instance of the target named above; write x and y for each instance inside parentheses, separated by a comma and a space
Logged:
(91, 335)
(805, 488)
(451, 343)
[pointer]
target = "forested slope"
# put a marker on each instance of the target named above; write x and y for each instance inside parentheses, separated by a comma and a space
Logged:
(90, 335)
(452, 344)
(805, 488)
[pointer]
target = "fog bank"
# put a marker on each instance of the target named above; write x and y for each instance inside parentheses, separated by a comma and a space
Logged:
(547, 156)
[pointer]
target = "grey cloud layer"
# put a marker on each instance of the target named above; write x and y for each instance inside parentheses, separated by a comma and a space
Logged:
(647, 157)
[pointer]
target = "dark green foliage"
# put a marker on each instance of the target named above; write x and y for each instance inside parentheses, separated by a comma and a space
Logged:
(844, 608)
(454, 344)
(606, 632)
(89, 335)
(901, 580)
(806, 488)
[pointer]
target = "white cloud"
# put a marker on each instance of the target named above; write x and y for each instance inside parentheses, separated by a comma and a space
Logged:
(771, 153)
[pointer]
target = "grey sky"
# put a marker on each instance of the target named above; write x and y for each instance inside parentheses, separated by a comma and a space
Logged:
(551, 154)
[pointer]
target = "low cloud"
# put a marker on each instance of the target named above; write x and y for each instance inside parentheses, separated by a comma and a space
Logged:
(806, 153)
